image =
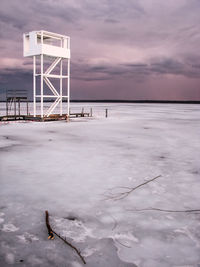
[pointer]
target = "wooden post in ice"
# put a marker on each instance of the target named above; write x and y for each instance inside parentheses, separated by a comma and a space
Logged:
(18, 107)
(106, 113)
(6, 108)
(15, 108)
(91, 112)
(27, 107)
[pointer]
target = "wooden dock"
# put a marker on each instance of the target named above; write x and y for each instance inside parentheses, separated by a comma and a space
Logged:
(53, 117)
(81, 114)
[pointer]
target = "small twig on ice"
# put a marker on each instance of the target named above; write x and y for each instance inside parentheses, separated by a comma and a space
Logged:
(115, 222)
(122, 243)
(69, 244)
(122, 195)
(165, 210)
(51, 236)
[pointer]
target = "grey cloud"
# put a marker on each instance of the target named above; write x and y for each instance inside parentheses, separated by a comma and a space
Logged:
(171, 66)
(111, 11)
(14, 21)
(106, 72)
(167, 65)
(92, 79)
(135, 65)
(57, 10)
(23, 16)
(159, 66)
(196, 66)
(111, 21)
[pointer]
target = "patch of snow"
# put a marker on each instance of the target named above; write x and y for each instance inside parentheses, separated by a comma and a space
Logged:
(127, 236)
(88, 251)
(9, 228)
(27, 238)
(10, 258)
(75, 264)
(33, 260)
(74, 229)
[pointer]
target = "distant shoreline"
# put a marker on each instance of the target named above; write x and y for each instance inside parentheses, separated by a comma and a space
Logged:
(129, 101)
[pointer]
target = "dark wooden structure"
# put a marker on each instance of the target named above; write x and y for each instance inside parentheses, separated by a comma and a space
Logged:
(14, 98)
(32, 118)
(81, 114)
(52, 117)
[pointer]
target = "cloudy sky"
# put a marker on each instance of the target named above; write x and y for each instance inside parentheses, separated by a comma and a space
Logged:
(121, 49)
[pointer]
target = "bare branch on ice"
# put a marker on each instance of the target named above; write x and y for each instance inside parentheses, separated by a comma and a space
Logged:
(127, 190)
(51, 233)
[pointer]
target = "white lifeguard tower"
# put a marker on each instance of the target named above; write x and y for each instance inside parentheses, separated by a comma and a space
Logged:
(49, 51)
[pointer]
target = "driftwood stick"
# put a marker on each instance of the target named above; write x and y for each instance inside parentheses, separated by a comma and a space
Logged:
(129, 190)
(69, 244)
(51, 233)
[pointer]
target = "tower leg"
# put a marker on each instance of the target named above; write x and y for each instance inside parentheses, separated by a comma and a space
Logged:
(68, 87)
(61, 89)
(34, 87)
(42, 93)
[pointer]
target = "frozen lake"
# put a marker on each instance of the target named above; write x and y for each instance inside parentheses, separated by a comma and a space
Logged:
(77, 171)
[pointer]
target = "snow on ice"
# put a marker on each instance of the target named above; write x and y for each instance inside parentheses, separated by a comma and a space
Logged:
(70, 168)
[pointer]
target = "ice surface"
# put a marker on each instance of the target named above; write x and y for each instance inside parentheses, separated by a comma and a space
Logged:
(69, 168)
